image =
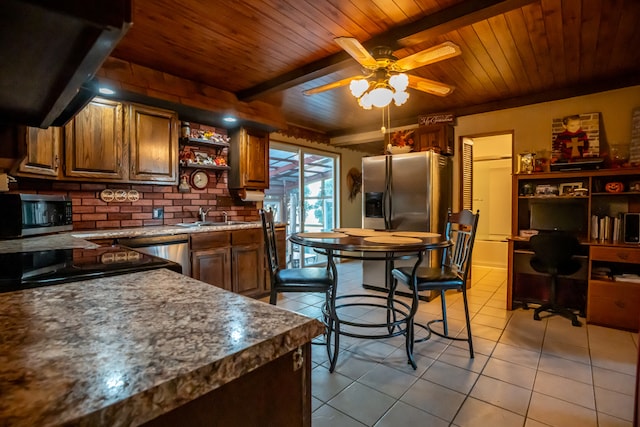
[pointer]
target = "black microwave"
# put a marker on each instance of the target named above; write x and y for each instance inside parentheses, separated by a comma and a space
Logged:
(31, 214)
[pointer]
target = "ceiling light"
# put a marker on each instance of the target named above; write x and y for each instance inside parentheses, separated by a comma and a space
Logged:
(106, 91)
(380, 90)
(229, 119)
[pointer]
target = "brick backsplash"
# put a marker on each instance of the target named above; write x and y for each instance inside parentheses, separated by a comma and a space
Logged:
(90, 213)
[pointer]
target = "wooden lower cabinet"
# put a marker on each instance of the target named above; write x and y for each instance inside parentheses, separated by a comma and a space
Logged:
(232, 260)
(213, 266)
(614, 303)
(211, 258)
(248, 262)
(242, 402)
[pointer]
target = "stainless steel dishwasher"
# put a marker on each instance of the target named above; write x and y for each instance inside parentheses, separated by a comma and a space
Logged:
(172, 247)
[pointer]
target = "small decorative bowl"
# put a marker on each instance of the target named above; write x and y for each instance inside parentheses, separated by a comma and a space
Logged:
(399, 150)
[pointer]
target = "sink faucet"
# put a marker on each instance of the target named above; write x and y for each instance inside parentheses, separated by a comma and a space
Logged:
(202, 213)
(225, 216)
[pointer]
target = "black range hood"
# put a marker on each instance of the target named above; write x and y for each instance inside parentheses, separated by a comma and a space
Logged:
(50, 52)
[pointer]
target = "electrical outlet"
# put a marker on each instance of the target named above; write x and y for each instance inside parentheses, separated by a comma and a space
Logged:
(158, 213)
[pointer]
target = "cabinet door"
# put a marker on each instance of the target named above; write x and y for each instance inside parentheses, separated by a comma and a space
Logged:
(248, 270)
(94, 142)
(212, 266)
(436, 137)
(153, 145)
(41, 151)
(249, 159)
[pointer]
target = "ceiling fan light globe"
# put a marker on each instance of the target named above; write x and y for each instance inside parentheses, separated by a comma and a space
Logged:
(399, 82)
(380, 96)
(365, 101)
(358, 87)
(400, 98)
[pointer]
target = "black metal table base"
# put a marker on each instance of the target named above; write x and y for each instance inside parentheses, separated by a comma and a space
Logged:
(401, 293)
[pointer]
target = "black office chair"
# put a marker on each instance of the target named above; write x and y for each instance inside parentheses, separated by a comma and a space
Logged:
(307, 279)
(553, 255)
(452, 274)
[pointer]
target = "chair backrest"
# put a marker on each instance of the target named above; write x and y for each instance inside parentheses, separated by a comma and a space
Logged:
(554, 249)
(461, 231)
(271, 251)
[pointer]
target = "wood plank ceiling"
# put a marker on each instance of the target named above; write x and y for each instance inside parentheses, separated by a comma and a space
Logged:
(514, 52)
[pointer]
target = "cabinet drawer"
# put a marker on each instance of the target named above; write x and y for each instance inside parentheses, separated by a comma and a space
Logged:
(614, 304)
(214, 239)
(245, 237)
(615, 254)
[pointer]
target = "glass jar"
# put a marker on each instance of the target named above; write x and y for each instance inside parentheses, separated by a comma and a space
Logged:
(526, 162)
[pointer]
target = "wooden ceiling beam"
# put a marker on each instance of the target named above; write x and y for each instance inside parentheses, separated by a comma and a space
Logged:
(446, 20)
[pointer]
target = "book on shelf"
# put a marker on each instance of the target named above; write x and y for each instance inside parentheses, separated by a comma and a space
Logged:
(606, 228)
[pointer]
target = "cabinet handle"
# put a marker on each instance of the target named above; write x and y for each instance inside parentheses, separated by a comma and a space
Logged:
(298, 359)
(623, 255)
(56, 163)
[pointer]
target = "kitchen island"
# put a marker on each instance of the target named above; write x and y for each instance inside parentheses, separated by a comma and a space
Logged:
(136, 348)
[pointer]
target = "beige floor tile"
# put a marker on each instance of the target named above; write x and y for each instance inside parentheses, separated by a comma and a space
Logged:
(450, 376)
(565, 368)
(326, 416)
(457, 354)
(517, 355)
(502, 394)
(559, 413)
(614, 381)
(476, 413)
(615, 358)
(480, 345)
(566, 351)
(565, 389)
(402, 414)
(362, 403)
(605, 420)
(388, 380)
(434, 399)
(512, 373)
(325, 385)
(615, 404)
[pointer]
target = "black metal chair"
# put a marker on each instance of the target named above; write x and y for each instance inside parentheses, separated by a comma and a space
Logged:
(307, 279)
(452, 274)
(554, 255)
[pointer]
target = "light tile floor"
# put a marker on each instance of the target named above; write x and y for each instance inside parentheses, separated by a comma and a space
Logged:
(525, 373)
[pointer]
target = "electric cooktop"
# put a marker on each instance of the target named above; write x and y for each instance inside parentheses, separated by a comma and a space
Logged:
(23, 270)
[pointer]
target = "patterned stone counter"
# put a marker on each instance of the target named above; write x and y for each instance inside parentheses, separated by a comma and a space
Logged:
(123, 350)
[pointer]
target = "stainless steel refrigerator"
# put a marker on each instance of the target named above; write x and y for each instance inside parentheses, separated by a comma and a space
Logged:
(410, 191)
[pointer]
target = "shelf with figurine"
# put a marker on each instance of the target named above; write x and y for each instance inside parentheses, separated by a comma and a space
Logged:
(204, 136)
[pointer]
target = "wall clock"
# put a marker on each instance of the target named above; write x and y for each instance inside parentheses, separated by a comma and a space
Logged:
(199, 179)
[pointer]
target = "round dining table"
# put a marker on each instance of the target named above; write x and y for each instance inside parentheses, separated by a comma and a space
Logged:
(367, 244)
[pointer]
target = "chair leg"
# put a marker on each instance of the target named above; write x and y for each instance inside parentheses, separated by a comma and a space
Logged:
(443, 303)
(468, 319)
(273, 298)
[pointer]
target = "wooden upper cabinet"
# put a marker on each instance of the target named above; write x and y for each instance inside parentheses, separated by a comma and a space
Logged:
(42, 149)
(249, 159)
(435, 137)
(153, 145)
(94, 142)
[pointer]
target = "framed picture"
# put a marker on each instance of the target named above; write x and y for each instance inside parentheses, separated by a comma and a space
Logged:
(546, 190)
(575, 137)
(569, 188)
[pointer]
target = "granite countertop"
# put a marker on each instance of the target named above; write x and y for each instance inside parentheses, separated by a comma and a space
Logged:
(125, 349)
(79, 239)
(158, 230)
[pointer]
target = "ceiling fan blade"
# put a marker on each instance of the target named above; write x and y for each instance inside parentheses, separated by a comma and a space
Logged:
(329, 86)
(430, 86)
(428, 56)
(354, 48)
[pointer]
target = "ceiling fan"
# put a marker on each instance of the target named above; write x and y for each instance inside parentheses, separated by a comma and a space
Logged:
(384, 71)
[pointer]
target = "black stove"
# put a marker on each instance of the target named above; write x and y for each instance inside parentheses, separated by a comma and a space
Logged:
(23, 270)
